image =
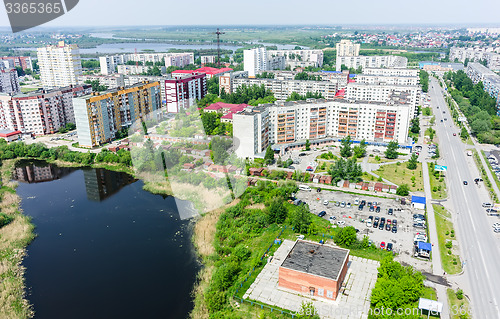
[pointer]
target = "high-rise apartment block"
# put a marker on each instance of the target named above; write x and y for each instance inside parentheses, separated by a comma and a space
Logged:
(101, 115)
(60, 65)
(491, 81)
(255, 61)
(42, 112)
(252, 135)
(11, 62)
(184, 90)
(298, 58)
(9, 82)
(347, 48)
(227, 79)
(110, 63)
(391, 72)
(476, 54)
(372, 61)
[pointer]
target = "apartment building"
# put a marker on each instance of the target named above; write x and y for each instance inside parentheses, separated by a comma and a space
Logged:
(491, 81)
(387, 79)
(282, 89)
(255, 61)
(208, 59)
(341, 78)
(476, 54)
(347, 48)
(298, 58)
(109, 63)
(391, 72)
(42, 112)
(60, 65)
(291, 122)
(252, 134)
(132, 69)
(373, 61)
(100, 116)
(112, 81)
(9, 82)
(226, 80)
(11, 62)
(183, 91)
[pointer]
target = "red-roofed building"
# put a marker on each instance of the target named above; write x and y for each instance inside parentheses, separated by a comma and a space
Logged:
(10, 136)
(340, 93)
(226, 109)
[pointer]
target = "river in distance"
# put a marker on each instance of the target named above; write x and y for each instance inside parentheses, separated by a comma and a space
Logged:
(105, 248)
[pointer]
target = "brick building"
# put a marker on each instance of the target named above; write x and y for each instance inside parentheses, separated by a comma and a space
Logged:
(314, 269)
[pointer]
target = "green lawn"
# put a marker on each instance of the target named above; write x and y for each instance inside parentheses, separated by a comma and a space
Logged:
(438, 185)
(27, 90)
(484, 176)
(450, 262)
(491, 169)
(399, 174)
(459, 309)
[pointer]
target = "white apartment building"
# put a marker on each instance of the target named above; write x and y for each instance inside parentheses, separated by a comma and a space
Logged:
(298, 121)
(41, 112)
(282, 89)
(179, 59)
(383, 93)
(109, 63)
(476, 54)
(478, 72)
(391, 72)
(208, 59)
(226, 80)
(255, 61)
(252, 134)
(132, 69)
(59, 65)
(341, 78)
(387, 79)
(111, 81)
(373, 61)
(347, 48)
(299, 58)
(9, 82)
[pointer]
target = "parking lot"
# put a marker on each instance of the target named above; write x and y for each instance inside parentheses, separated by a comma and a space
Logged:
(340, 213)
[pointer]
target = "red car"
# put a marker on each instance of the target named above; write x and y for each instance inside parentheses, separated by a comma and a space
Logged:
(382, 245)
(454, 134)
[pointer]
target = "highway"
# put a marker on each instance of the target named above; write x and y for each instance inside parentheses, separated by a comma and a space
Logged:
(478, 244)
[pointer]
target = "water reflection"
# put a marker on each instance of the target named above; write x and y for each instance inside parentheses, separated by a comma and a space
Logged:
(101, 183)
(39, 172)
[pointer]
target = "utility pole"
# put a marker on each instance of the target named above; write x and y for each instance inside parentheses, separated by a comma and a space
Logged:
(218, 45)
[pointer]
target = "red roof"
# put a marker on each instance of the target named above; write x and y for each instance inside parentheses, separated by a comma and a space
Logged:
(8, 134)
(340, 92)
(212, 71)
(230, 107)
(183, 71)
(228, 116)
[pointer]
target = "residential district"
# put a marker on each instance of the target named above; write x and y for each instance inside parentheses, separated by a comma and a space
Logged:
(388, 155)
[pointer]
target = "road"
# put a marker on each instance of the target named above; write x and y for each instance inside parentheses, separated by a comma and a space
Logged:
(479, 246)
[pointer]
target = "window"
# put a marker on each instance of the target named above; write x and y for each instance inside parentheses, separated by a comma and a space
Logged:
(329, 294)
(321, 292)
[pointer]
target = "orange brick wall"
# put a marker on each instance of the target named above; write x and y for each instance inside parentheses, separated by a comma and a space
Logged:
(301, 282)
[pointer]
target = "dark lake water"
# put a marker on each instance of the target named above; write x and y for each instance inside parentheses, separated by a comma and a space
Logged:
(105, 248)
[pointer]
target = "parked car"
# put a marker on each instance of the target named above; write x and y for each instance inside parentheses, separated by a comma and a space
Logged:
(390, 211)
(454, 134)
(369, 223)
(372, 209)
(419, 225)
(382, 245)
(394, 222)
(360, 207)
(377, 218)
(394, 229)
(337, 204)
(388, 227)
(348, 205)
(465, 183)
(381, 226)
(342, 204)
(302, 154)
(389, 247)
(375, 224)
(382, 220)
(325, 202)
(486, 205)
(363, 202)
(377, 210)
(318, 189)
(356, 202)
(322, 213)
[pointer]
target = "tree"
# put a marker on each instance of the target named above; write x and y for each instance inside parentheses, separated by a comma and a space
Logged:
(345, 148)
(276, 212)
(360, 150)
(346, 237)
(96, 85)
(346, 170)
(269, 157)
(307, 311)
(392, 150)
(412, 162)
(213, 85)
(300, 219)
(308, 145)
(403, 190)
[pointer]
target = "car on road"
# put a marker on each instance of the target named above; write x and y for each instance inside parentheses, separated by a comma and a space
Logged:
(325, 202)
(322, 213)
(382, 245)
(389, 247)
(445, 119)
(466, 183)
(318, 190)
(444, 112)
(302, 154)
(454, 134)
(486, 205)
(390, 211)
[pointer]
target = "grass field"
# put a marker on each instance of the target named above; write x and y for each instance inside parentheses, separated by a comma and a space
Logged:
(399, 174)
(450, 262)
(27, 90)
(438, 185)
(459, 309)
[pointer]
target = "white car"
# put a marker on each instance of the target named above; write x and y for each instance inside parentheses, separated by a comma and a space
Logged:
(420, 237)
(368, 223)
(496, 229)
(342, 204)
(356, 201)
(496, 225)
(487, 205)
(325, 202)
(348, 205)
(341, 223)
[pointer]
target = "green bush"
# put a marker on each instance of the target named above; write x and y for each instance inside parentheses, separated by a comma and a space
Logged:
(5, 219)
(460, 294)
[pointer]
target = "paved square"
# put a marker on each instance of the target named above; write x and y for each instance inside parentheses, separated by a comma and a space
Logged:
(354, 302)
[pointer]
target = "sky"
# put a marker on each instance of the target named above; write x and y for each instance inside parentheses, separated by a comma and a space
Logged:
(275, 12)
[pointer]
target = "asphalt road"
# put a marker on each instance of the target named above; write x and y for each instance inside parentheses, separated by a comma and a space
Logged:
(480, 249)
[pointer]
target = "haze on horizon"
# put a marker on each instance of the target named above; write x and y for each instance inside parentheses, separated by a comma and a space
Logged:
(276, 12)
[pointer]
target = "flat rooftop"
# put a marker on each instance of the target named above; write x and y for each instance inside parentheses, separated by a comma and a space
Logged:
(316, 259)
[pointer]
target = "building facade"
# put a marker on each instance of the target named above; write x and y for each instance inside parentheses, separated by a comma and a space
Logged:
(372, 61)
(101, 115)
(491, 81)
(298, 58)
(11, 62)
(390, 72)
(109, 63)
(183, 92)
(282, 89)
(252, 135)
(208, 59)
(476, 54)
(347, 48)
(226, 80)
(60, 65)
(255, 61)
(9, 82)
(388, 79)
(40, 113)
(112, 81)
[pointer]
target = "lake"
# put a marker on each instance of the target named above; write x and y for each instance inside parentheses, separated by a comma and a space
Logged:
(105, 248)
